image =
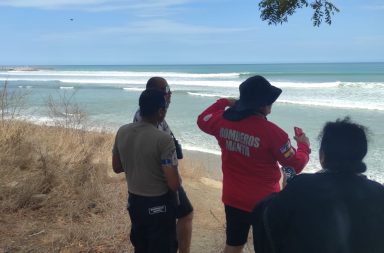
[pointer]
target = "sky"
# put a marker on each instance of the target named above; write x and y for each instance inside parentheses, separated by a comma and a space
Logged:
(104, 32)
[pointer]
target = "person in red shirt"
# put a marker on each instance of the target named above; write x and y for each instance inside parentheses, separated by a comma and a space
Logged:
(251, 150)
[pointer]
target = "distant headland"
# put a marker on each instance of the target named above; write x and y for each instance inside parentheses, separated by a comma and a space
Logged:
(20, 68)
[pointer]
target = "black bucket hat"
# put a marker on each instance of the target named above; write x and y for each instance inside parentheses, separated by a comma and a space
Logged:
(255, 92)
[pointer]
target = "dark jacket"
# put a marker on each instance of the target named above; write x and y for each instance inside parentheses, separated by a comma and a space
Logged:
(324, 213)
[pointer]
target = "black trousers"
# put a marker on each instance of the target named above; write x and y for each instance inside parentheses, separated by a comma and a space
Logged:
(153, 221)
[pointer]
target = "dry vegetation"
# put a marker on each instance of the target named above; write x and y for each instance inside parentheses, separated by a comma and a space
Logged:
(55, 194)
(58, 194)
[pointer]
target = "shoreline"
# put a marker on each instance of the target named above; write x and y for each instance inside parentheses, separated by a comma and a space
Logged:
(205, 164)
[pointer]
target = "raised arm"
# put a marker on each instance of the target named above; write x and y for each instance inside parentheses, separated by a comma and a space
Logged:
(204, 120)
(287, 155)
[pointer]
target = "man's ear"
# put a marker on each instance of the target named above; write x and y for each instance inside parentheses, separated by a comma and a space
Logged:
(265, 110)
(161, 112)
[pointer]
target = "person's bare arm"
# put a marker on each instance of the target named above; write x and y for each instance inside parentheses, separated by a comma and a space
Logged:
(116, 164)
(171, 174)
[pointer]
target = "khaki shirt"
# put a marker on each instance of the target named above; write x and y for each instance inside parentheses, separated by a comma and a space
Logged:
(142, 149)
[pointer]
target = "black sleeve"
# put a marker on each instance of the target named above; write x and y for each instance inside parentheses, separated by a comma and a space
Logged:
(271, 219)
(261, 239)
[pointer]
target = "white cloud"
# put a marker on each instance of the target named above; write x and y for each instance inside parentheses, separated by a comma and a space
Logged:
(47, 4)
(164, 26)
(156, 27)
(94, 5)
(138, 8)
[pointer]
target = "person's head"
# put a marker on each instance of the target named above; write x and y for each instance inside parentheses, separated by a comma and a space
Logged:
(256, 95)
(152, 105)
(343, 146)
(160, 84)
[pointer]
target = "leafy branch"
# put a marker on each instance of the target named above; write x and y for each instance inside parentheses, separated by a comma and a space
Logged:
(277, 11)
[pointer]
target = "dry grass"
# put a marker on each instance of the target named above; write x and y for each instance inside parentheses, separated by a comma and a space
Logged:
(55, 194)
(58, 194)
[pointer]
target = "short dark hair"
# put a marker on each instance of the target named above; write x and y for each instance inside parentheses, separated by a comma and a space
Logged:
(344, 145)
(150, 102)
(155, 82)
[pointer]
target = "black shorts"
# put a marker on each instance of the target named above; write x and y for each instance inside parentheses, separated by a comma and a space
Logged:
(185, 206)
(238, 225)
(153, 223)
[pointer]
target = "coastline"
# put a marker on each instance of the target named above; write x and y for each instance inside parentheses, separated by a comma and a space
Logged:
(19, 68)
(108, 94)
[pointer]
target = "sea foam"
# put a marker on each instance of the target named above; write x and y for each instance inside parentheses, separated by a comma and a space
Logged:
(335, 104)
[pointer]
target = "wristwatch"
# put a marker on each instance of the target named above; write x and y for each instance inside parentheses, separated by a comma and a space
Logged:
(289, 172)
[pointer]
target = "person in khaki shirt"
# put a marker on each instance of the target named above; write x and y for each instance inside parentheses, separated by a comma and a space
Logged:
(147, 156)
(184, 212)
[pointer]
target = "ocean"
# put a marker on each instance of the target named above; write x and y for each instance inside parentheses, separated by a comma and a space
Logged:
(312, 95)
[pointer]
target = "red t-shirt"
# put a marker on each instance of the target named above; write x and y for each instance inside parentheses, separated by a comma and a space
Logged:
(251, 150)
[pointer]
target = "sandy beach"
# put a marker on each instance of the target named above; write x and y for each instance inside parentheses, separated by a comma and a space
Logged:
(209, 164)
(59, 194)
